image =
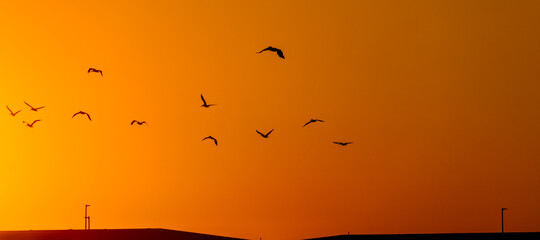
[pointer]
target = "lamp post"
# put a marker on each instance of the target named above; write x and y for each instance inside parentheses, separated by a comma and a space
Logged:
(86, 217)
(502, 219)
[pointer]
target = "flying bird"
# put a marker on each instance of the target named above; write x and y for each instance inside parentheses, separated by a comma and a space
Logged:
(32, 108)
(273, 49)
(32, 124)
(95, 70)
(343, 143)
(210, 137)
(13, 113)
(312, 121)
(137, 122)
(204, 101)
(264, 135)
(81, 112)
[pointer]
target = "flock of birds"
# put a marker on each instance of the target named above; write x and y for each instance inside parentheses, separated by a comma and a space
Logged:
(279, 52)
(31, 125)
(206, 105)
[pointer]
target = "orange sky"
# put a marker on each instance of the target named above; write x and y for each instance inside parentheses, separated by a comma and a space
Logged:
(441, 100)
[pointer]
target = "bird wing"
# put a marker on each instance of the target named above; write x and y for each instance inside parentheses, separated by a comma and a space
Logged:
(215, 141)
(268, 48)
(101, 72)
(319, 120)
(35, 121)
(144, 122)
(204, 101)
(39, 108)
(28, 105)
(132, 122)
(88, 115)
(307, 123)
(280, 53)
(205, 138)
(337, 142)
(90, 69)
(10, 110)
(269, 132)
(75, 114)
(17, 112)
(259, 132)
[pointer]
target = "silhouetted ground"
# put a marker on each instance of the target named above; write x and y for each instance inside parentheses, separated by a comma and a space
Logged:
(165, 234)
(108, 234)
(438, 236)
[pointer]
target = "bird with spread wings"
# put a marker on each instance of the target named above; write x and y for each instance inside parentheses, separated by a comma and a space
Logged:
(264, 135)
(31, 125)
(13, 113)
(137, 122)
(312, 121)
(210, 137)
(95, 70)
(273, 49)
(84, 113)
(205, 104)
(33, 108)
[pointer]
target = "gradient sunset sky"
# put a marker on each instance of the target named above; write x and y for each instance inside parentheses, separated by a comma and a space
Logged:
(441, 100)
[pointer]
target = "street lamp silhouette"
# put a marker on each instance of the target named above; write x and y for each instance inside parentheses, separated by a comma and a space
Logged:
(502, 219)
(86, 218)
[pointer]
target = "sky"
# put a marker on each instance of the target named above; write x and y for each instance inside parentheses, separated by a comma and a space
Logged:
(441, 100)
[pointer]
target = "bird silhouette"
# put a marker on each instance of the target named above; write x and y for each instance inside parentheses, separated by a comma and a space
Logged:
(13, 113)
(210, 137)
(343, 143)
(95, 70)
(264, 135)
(273, 49)
(312, 121)
(81, 112)
(204, 101)
(32, 124)
(33, 108)
(137, 122)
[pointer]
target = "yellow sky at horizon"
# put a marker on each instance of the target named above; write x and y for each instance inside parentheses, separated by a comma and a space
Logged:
(441, 100)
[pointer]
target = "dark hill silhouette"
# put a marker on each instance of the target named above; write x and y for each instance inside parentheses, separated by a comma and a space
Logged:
(437, 236)
(109, 234)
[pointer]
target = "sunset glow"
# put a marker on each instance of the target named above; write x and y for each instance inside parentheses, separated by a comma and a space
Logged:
(441, 100)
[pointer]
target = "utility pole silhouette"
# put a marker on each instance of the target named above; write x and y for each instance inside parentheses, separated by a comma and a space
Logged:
(86, 218)
(502, 219)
